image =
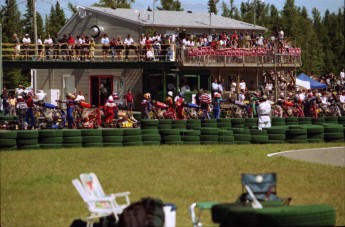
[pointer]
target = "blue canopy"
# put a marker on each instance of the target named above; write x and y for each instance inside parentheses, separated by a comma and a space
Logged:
(313, 83)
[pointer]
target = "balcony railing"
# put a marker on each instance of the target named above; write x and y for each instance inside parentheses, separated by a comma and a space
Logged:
(190, 56)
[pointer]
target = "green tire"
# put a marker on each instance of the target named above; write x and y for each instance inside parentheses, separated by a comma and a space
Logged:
(209, 121)
(21, 142)
(226, 138)
(149, 122)
(258, 132)
(238, 120)
(171, 138)
(7, 143)
(72, 145)
(112, 139)
(8, 135)
(179, 122)
(132, 139)
(151, 143)
(112, 132)
(276, 141)
(30, 134)
(71, 132)
(333, 128)
(91, 132)
(149, 131)
(209, 125)
(259, 138)
(92, 144)
(296, 141)
(238, 125)
(224, 125)
(296, 137)
(195, 126)
(225, 133)
(190, 133)
(209, 137)
(334, 136)
(316, 136)
(276, 130)
(169, 132)
(149, 127)
(179, 126)
(92, 139)
(131, 131)
(224, 120)
(241, 142)
(165, 121)
(151, 137)
(72, 139)
(294, 132)
(50, 133)
(276, 137)
(242, 137)
(193, 122)
(164, 126)
(191, 138)
(209, 131)
(51, 140)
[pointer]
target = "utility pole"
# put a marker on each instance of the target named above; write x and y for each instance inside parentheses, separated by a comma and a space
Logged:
(1, 74)
(34, 25)
(254, 11)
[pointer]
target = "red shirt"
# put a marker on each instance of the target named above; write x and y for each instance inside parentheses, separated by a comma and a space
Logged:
(30, 102)
(129, 97)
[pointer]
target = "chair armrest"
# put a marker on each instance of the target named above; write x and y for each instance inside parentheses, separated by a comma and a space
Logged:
(120, 194)
(102, 199)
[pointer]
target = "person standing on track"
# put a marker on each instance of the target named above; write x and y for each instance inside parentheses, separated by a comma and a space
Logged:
(264, 113)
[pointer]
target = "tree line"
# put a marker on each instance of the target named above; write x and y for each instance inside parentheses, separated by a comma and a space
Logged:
(321, 37)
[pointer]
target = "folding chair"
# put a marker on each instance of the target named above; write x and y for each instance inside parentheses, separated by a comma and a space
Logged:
(97, 206)
(93, 187)
(196, 218)
(263, 187)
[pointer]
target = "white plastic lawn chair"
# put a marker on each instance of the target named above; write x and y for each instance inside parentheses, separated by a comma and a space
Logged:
(94, 189)
(98, 207)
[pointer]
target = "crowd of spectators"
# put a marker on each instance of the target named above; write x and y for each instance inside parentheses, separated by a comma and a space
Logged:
(148, 47)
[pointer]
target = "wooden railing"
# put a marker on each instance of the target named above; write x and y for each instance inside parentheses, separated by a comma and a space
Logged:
(187, 56)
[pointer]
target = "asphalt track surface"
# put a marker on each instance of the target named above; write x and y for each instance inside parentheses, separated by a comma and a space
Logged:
(334, 156)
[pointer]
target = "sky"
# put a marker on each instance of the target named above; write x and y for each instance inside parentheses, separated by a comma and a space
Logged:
(43, 6)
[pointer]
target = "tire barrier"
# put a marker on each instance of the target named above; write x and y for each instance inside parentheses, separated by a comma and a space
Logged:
(236, 214)
(316, 132)
(276, 134)
(27, 139)
(278, 121)
(50, 139)
(132, 137)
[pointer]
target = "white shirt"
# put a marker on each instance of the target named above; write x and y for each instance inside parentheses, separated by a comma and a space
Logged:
(26, 40)
(215, 86)
(342, 98)
(241, 97)
(233, 86)
(105, 41)
(342, 75)
(242, 85)
(264, 108)
(48, 42)
(80, 98)
(128, 41)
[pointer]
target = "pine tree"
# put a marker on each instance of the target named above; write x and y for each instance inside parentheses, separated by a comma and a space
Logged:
(170, 5)
(212, 6)
(11, 21)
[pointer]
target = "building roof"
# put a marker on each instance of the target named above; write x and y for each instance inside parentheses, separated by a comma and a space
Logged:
(175, 19)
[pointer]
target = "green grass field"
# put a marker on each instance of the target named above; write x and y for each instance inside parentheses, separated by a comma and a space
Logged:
(36, 188)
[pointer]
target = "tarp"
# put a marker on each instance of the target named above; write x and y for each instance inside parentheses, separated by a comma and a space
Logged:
(308, 83)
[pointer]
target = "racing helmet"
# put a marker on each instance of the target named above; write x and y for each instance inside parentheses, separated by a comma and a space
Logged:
(111, 99)
(70, 95)
(170, 93)
(216, 95)
(147, 96)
